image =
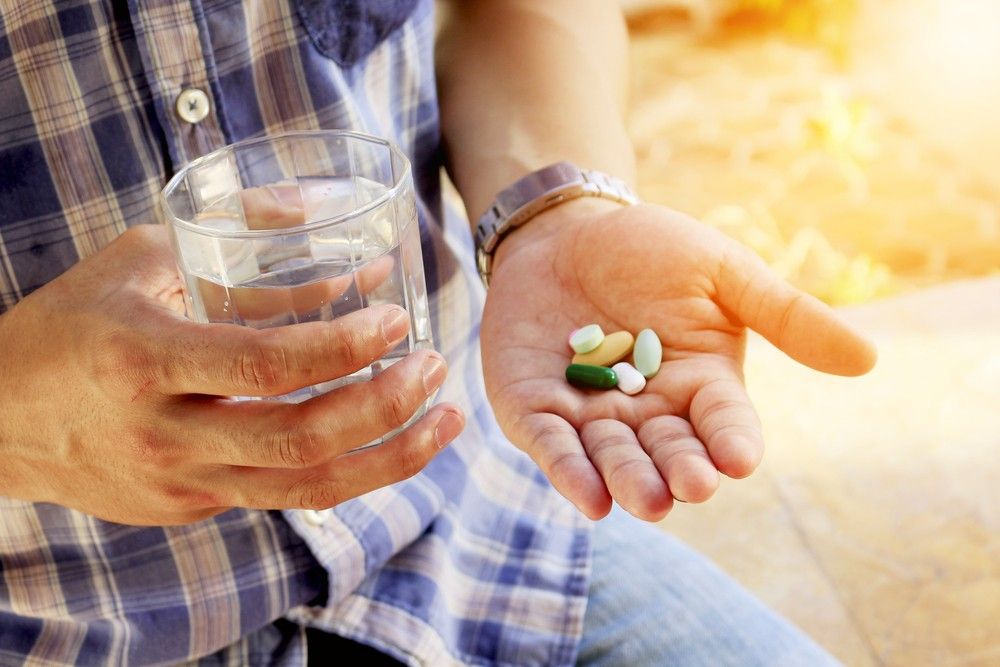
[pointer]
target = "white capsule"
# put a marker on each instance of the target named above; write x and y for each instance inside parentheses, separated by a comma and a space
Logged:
(630, 380)
(586, 339)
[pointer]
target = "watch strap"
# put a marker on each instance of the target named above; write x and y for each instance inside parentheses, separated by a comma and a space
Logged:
(536, 192)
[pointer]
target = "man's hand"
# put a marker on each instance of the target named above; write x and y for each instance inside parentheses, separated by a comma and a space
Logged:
(114, 404)
(629, 269)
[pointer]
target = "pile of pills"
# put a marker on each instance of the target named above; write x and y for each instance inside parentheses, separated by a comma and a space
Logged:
(598, 359)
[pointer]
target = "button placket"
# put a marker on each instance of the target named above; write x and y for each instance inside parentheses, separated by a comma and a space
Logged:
(316, 517)
(192, 105)
(177, 65)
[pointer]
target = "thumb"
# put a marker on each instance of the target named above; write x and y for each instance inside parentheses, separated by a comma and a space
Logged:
(800, 325)
(143, 255)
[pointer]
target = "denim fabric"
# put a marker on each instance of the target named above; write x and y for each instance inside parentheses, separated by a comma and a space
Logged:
(654, 602)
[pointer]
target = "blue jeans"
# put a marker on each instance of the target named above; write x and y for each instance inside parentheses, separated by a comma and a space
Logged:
(654, 601)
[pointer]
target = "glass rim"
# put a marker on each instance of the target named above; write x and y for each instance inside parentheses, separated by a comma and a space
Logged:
(398, 182)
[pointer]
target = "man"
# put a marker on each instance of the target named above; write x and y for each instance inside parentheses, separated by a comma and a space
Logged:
(147, 519)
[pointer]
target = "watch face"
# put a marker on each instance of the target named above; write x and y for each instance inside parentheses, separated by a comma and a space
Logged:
(537, 184)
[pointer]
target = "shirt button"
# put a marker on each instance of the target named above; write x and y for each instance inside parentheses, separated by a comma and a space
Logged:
(192, 105)
(316, 517)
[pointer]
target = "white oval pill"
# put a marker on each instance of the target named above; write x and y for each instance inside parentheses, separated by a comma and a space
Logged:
(629, 379)
(585, 339)
(647, 353)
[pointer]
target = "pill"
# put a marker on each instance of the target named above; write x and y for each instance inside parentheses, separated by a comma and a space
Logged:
(647, 353)
(586, 339)
(597, 377)
(615, 347)
(630, 380)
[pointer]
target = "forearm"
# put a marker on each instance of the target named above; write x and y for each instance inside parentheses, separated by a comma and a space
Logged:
(526, 83)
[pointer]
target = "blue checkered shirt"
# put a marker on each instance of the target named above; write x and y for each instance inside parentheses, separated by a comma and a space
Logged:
(474, 561)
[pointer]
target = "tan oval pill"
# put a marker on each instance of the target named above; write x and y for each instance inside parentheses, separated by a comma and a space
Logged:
(615, 347)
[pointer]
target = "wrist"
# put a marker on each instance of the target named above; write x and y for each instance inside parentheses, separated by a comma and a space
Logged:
(550, 187)
(559, 219)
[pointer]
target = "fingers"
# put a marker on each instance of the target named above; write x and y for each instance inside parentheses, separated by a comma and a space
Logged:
(348, 476)
(680, 458)
(232, 360)
(273, 206)
(726, 422)
(555, 447)
(222, 303)
(142, 257)
(802, 326)
(337, 295)
(374, 273)
(631, 477)
(279, 435)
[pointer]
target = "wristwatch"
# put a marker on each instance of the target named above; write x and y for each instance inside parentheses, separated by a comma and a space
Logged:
(536, 192)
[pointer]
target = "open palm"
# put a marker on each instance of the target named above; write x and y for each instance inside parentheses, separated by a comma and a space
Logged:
(630, 269)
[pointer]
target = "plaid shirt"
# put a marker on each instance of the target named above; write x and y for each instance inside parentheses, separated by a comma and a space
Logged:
(476, 560)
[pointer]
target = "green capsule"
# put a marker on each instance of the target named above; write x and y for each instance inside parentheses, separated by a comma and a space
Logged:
(597, 377)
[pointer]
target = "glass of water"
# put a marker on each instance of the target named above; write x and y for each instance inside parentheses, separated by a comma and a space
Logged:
(300, 227)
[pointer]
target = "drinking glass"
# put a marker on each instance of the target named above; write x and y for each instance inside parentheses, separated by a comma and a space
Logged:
(300, 227)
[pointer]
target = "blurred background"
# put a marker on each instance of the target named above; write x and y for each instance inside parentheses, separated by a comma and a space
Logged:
(855, 144)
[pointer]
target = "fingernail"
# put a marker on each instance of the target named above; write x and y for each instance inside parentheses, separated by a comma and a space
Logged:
(448, 428)
(395, 326)
(433, 372)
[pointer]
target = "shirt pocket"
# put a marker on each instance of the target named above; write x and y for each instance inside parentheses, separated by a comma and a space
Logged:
(348, 30)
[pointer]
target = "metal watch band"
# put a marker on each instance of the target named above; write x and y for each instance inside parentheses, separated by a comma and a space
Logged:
(536, 192)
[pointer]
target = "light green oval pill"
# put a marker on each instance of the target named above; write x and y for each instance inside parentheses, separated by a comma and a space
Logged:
(586, 339)
(596, 377)
(647, 353)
